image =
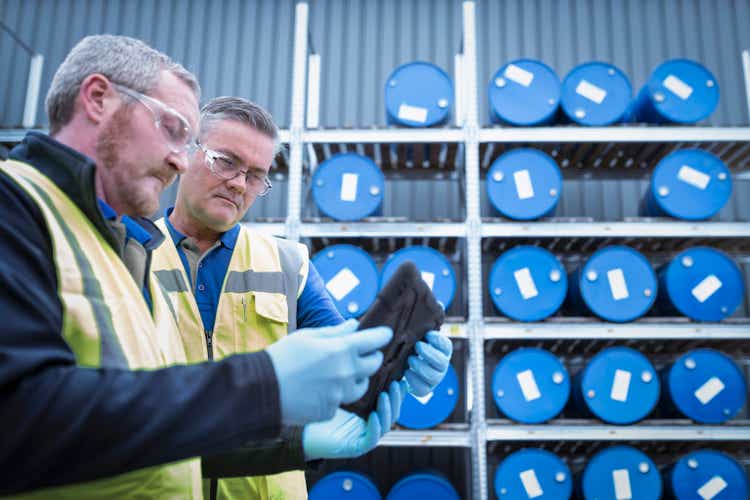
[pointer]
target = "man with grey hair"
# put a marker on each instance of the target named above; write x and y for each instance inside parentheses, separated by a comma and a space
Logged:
(238, 290)
(96, 398)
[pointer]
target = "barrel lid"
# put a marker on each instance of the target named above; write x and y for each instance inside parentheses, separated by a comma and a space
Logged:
(350, 276)
(524, 92)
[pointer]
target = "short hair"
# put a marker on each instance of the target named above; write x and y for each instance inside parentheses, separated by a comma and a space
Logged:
(123, 60)
(243, 111)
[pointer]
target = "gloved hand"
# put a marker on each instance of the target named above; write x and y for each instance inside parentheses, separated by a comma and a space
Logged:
(318, 369)
(347, 435)
(427, 369)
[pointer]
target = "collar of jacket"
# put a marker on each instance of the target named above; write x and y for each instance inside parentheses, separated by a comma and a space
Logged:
(73, 173)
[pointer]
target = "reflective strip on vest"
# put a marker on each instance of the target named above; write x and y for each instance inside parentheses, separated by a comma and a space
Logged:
(251, 281)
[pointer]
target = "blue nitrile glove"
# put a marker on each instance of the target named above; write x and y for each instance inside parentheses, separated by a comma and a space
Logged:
(347, 435)
(319, 369)
(430, 366)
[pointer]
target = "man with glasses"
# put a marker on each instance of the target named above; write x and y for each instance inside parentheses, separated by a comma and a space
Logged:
(237, 290)
(96, 398)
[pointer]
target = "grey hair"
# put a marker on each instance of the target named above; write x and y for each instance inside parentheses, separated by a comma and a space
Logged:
(243, 111)
(124, 60)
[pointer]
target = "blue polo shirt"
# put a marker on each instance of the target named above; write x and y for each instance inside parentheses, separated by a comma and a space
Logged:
(314, 306)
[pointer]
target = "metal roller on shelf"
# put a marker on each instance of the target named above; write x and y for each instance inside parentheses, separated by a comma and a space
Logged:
(350, 276)
(524, 92)
(418, 94)
(596, 94)
(533, 473)
(621, 472)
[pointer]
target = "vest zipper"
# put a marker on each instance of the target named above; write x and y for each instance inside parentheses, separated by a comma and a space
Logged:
(210, 344)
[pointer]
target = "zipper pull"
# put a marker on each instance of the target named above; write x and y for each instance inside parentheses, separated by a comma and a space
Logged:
(210, 344)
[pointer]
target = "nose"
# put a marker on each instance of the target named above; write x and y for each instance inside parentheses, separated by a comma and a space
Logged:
(238, 184)
(178, 161)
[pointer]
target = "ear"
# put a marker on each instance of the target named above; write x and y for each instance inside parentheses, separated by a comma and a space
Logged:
(97, 97)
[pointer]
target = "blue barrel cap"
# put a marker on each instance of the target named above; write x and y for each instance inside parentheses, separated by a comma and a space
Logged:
(596, 94)
(708, 475)
(533, 473)
(620, 385)
(618, 284)
(423, 485)
(350, 276)
(706, 386)
(436, 270)
(524, 184)
(704, 284)
(690, 184)
(528, 283)
(679, 91)
(621, 472)
(418, 94)
(344, 485)
(432, 409)
(348, 187)
(530, 385)
(524, 92)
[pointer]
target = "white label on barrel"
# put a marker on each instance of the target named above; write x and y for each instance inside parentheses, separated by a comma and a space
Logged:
(412, 113)
(617, 285)
(591, 91)
(525, 283)
(518, 75)
(677, 87)
(693, 177)
(713, 487)
(524, 188)
(528, 385)
(349, 187)
(531, 484)
(620, 386)
(428, 278)
(621, 479)
(703, 290)
(709, 390)
(342, 283)
(424, 399)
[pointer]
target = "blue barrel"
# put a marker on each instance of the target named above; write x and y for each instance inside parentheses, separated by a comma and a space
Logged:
(706, 386)
(428, 411)
(423, 485)
(533, 473)
(350, 276)
(596, 94)
(621, 472)
(524, 184)
(707, 475)
(678, 91)
(530, 385)
(617, 284)
(524, 92)
(436, 271)
(418, 94)
(619, 386)
(689, 184)
(702, 283)
(344, 485)
(528, 283)
(348, 187)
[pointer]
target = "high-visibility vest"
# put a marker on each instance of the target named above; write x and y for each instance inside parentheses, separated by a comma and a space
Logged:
(107, 323)
(257, 306)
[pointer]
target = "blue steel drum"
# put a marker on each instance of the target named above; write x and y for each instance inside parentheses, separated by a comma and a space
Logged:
(678, 91)
(524, 92)
(430, 410)
(533, 473)
(348, 187)
(530, 385)
(344, 485)
(524, 184)
(689, 184)
(619, 386)
(702, 283)
(707, 475)
(706, 386)
(528, 283)
(617, 284)
(596, 94)
(423, 486)
(350, 276)
(418, 94)
(436, 270)
(621, 472)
